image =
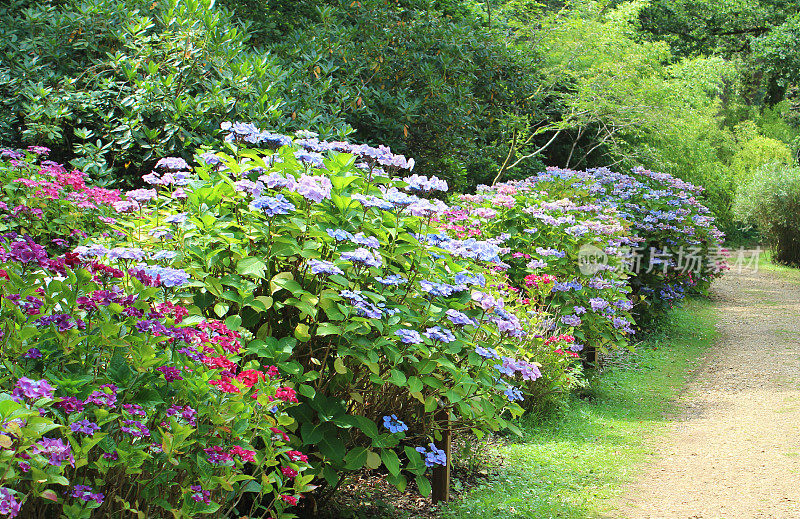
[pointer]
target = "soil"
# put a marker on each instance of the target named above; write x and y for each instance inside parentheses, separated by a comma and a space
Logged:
(733, 450)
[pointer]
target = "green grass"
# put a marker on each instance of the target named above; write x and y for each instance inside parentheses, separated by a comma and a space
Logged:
(765, 263)
(575, 465)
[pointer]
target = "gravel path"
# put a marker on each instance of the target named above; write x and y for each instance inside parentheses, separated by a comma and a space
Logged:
(734, 449)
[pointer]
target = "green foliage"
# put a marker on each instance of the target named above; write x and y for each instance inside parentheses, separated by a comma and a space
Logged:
(771, 200)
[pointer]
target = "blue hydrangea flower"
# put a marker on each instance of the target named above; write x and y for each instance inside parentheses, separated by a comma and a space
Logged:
(467, 278)
(394, 425)
(487, 353)
(440, 289)
(433, 457)
(409, 336)
(392, 280)
(571, 320)
(437, 333)
(339, 234)
(273, 206)
(367, 241)
(167, 277)
(513, 394)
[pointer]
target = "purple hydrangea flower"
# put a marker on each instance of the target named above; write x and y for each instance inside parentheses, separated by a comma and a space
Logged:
(135, 428)
(32, 353)
(199, 495)
(8, 503)
(84, 426)
(171, 373)
(55, 450)
(84, 493)
(33, 389)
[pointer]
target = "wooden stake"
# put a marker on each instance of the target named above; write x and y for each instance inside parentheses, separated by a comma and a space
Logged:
(440, 484)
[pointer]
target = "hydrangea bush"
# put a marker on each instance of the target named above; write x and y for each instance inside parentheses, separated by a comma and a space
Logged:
(291, 309)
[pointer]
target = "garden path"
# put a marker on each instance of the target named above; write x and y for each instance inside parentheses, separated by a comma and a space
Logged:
(733, 451)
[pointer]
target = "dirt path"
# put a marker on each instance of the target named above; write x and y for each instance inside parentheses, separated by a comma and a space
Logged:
(734, 450)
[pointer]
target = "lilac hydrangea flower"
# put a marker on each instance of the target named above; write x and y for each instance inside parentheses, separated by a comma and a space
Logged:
(323, 267)
(314, 188)
(437, 333)
(409, 336)
(367, 241)
(423, 183)
(598, 303)
(571, 320)
(364, 256)
(460, 318)
(172, 164)
(141, 195)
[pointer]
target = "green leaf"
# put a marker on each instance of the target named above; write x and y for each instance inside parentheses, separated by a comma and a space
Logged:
(339, 366)
(424, 485)
(356, 458)
(391, 461)
(251, 267)
(373, 460)
(397, 377)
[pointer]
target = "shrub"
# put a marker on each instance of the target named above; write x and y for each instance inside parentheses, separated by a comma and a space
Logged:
(771, 200)
(114, 399)
(388, 314)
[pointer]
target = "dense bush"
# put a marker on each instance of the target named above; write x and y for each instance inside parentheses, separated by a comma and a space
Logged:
(113, 398)
(388, 314)
(771, 201)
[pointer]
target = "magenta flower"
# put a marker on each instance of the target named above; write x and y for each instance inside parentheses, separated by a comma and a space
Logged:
(56, 451)
(33, 389)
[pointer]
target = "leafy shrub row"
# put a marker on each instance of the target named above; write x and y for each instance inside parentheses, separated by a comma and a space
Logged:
(771, 201)
(387, 314)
